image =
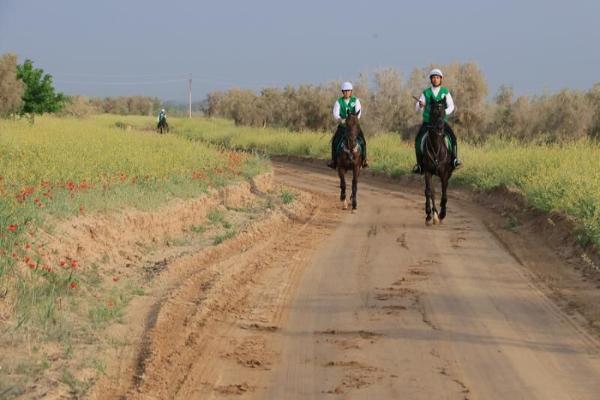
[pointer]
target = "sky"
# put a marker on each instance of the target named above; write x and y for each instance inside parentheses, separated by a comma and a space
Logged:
(148, 47)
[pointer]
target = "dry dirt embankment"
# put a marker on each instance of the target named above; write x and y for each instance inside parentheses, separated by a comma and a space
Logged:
(133, 263)
(240, 285)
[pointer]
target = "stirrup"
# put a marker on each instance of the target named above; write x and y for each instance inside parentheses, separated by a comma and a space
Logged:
(417, 169)
(331, 164)
(456, 163)
(365, 164)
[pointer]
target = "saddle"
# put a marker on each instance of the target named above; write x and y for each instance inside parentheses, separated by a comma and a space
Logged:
(340, 145)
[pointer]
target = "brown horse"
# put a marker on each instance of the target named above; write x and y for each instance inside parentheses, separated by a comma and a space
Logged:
(350, 158)
(162, 126)
(436, 161)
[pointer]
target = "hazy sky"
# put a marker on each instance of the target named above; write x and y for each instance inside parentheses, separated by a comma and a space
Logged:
(148, 47)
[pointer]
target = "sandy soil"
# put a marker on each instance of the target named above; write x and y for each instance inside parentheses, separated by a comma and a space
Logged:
(323, 303)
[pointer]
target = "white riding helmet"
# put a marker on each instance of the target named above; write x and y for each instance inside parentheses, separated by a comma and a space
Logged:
(435, 72)
(346, 86)
(163, 110)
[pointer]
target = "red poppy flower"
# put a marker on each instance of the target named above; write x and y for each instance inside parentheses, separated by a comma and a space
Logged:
(12, 227)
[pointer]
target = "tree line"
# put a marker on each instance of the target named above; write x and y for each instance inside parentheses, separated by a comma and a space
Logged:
(26, 90)
(386, 97)
(80, 106)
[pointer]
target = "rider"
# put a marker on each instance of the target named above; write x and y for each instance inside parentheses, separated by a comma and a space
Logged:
(162, 115)
(436, 92)
(344, 105)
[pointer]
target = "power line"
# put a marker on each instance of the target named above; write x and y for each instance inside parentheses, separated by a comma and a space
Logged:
(174, 78)
(103, 75)
(119, 82)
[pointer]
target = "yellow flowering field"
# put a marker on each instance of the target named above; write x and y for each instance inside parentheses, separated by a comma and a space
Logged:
(64, 167)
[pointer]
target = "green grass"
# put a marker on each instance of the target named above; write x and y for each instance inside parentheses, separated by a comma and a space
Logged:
(227, 235)
(217, 217)
(287, 196)
(77, 387)
(199, 229)
(109, 308)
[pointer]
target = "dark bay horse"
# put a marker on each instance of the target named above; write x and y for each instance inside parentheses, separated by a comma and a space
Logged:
(350, 158)
(162, 126)
(436, 161)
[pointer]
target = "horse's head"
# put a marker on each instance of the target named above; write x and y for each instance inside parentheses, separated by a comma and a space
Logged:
(437, 113)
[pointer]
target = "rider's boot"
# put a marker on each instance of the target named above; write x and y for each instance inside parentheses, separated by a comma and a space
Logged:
(331, 163)
(456, 163)
(418, 168)
(365, 162)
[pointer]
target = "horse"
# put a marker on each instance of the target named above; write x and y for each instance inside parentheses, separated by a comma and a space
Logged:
(349, 158)
(436, 161)
(162, 126)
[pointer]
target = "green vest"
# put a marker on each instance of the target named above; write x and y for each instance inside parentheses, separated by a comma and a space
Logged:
(346, 109)
(428, 93)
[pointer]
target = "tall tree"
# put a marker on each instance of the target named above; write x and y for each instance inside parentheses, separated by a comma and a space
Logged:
(11, 88)
(39, 96)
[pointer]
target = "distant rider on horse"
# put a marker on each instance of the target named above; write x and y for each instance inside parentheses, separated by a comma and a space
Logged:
(436, 92)
(162, 115)
(347, 104)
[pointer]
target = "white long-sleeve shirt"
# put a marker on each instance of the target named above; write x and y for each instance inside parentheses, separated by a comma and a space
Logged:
(436, 90)
(336, 109)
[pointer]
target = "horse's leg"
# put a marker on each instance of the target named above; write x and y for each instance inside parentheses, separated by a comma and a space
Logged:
(355, 172)
(427, 198)
(445, 181)
(436, 219)
(342, 176)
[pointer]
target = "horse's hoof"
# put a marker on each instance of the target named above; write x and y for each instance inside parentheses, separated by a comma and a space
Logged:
(345, 205)
(428, 221)
(436, 220)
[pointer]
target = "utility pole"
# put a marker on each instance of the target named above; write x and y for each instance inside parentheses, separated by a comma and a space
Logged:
(190, 96)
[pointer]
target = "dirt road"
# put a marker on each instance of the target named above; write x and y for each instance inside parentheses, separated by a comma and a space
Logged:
(372, 305)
